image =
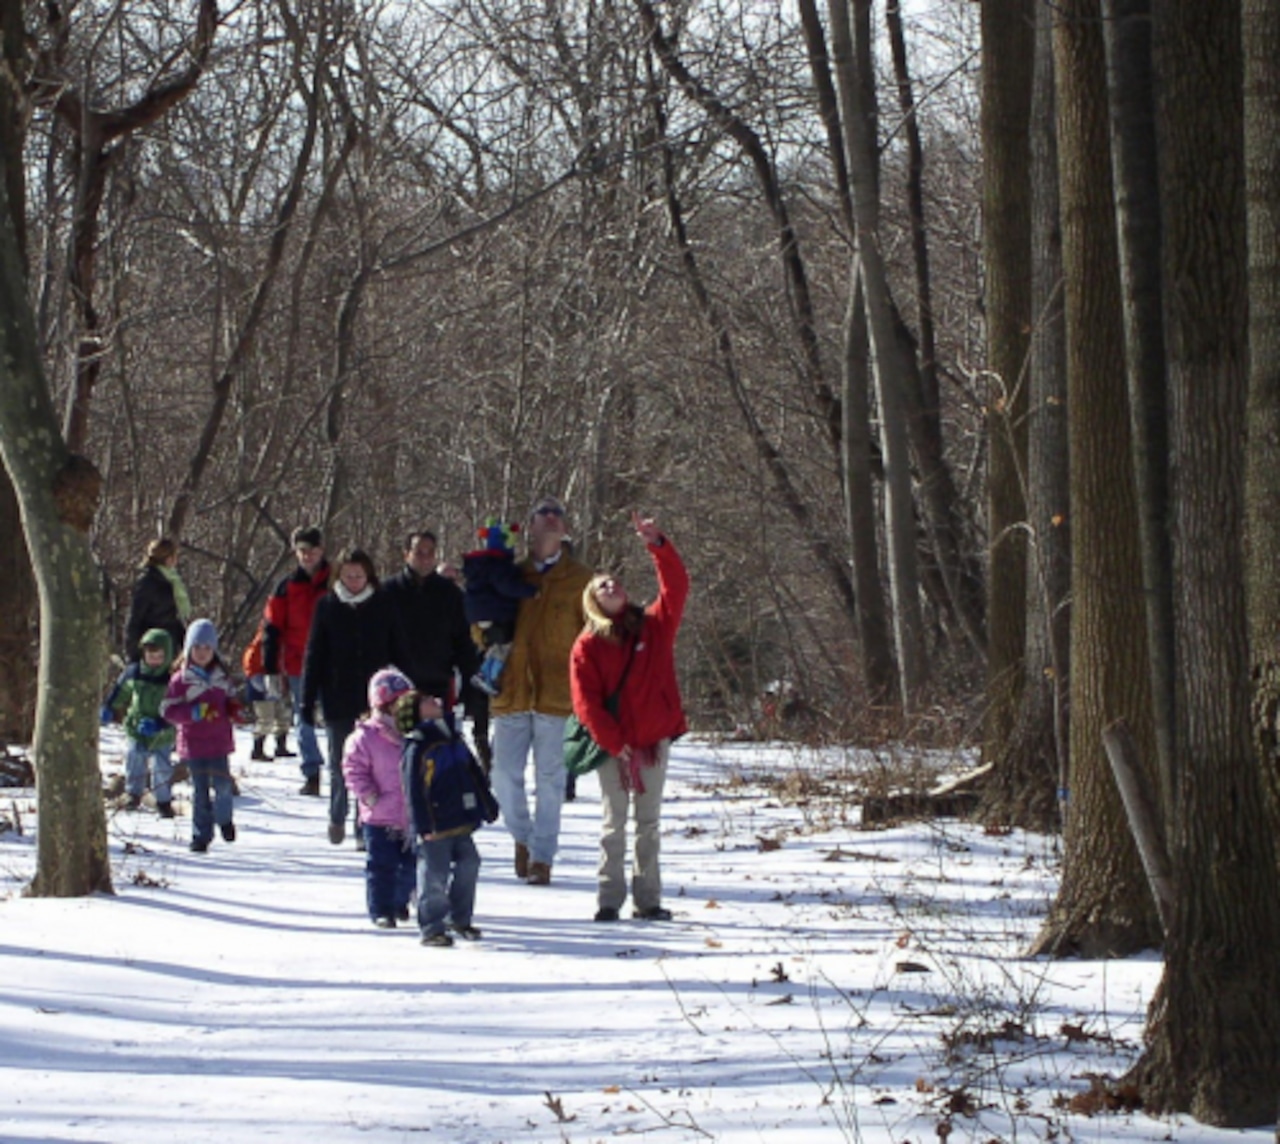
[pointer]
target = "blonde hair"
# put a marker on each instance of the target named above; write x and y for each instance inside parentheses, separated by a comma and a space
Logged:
(599, 622)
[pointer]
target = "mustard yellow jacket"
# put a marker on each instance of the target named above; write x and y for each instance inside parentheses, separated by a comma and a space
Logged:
(536, 675)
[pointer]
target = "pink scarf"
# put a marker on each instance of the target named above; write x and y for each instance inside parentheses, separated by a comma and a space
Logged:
(629, 771)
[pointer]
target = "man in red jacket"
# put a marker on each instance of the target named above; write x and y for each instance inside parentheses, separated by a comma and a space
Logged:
(286, 625)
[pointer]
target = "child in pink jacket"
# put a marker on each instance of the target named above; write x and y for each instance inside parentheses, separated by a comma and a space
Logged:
(371, 766)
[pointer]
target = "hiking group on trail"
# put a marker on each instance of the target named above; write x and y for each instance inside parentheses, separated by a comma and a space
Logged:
(386, 668)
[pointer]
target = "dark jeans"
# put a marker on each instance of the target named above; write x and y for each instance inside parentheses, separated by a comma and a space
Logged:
(206, 773)
(389, 871)
(448, 870)
(337, 731)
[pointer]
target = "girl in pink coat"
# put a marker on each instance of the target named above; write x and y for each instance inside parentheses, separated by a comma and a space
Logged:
(371, 766)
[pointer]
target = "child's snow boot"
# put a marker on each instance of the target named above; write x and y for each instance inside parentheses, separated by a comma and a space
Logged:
(259, 749)
(164, 809)
(282, 748)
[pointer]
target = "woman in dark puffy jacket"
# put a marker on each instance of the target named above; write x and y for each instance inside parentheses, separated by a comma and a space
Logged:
(159, 599)
(350, 639)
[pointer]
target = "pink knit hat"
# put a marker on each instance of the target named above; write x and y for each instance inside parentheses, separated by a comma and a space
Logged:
(386, 686)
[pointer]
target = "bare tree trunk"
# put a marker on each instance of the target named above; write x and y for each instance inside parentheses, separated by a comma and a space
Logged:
(1104, 905)
(1213, 1039)
(1008, 58)
(58, 493)
(1262, 172)
(1126, 28)
(1023, 786)
(889, 370)
(17, 585)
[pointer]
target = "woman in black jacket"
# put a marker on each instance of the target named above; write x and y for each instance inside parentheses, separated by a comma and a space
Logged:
(350, 639)
(159, 599)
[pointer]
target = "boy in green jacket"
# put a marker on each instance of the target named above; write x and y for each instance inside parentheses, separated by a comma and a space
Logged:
(135, 700)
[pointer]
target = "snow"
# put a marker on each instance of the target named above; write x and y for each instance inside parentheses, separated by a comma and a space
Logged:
(818, 983)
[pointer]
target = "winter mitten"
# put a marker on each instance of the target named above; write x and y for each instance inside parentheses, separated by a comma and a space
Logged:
(150, 726)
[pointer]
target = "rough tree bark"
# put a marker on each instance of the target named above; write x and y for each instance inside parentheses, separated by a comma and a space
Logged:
(1213, 1039)
(1104, 906)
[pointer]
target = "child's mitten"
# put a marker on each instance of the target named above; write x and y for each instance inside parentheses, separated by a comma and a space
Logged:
(149, 726)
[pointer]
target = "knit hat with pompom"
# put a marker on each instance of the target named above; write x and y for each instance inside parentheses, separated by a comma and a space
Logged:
(386, 686)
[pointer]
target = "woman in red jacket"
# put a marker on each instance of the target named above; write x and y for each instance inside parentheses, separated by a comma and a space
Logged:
(630, 650)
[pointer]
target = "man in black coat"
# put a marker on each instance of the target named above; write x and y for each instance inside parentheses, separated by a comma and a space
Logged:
(430, 633)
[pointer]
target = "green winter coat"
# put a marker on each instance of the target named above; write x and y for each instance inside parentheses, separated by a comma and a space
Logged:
(138, 692)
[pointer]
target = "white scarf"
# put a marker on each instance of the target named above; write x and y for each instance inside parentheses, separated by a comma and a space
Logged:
(348, 597)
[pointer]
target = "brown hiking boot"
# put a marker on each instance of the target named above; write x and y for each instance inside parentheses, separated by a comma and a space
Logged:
(539, 874)
(310, 786)
(522, 861)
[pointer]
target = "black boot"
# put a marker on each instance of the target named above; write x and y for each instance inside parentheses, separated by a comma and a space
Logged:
(259, 749)
(282, 749)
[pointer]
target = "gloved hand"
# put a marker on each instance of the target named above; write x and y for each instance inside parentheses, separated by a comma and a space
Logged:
(204, 712)
(371, 799)
(273, 685)
(149, 726)
(106, 716)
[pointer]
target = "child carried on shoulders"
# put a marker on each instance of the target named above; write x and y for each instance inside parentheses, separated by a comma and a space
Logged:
(495, 585)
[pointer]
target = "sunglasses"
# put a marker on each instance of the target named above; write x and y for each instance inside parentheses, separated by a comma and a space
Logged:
(548, 510)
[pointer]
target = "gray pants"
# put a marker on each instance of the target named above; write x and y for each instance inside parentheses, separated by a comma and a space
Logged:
(646, 878)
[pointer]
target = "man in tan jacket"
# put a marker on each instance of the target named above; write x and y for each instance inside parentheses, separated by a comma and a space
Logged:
(530, 712)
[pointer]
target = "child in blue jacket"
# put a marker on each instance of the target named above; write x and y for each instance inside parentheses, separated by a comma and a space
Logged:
(135, 699)
(495, 585)
(448, 799)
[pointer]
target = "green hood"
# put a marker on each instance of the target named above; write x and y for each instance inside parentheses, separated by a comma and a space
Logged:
(161, 637)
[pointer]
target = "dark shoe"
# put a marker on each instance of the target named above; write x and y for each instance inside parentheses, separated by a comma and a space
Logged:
(337, 833)
(539, 874)
(310, 786)
(199, 845)
(653, 914)
(439, 939)
(282, 749)
(164, 809)
(259, 750)
(522, 861)
(228, 831)
(606, 914)
(403, 913)
(467, 933)
(133, 802)
(385, 922)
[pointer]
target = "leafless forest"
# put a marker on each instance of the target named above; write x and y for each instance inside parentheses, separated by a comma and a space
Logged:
(384, 265)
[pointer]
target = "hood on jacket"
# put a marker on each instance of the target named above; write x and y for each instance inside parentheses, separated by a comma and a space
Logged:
(158, 637)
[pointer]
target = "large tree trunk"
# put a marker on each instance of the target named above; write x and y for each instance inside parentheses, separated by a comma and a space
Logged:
(1214, 1027)
(58, 492)
(1008, 58)
(1262, 174)
(1104, 906)
(1023, 785)
(1126, 29)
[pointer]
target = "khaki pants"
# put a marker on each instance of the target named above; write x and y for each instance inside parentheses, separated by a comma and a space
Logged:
(646, 878)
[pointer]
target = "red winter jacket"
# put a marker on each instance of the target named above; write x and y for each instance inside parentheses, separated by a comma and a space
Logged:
(650, 708)
(288, 620)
